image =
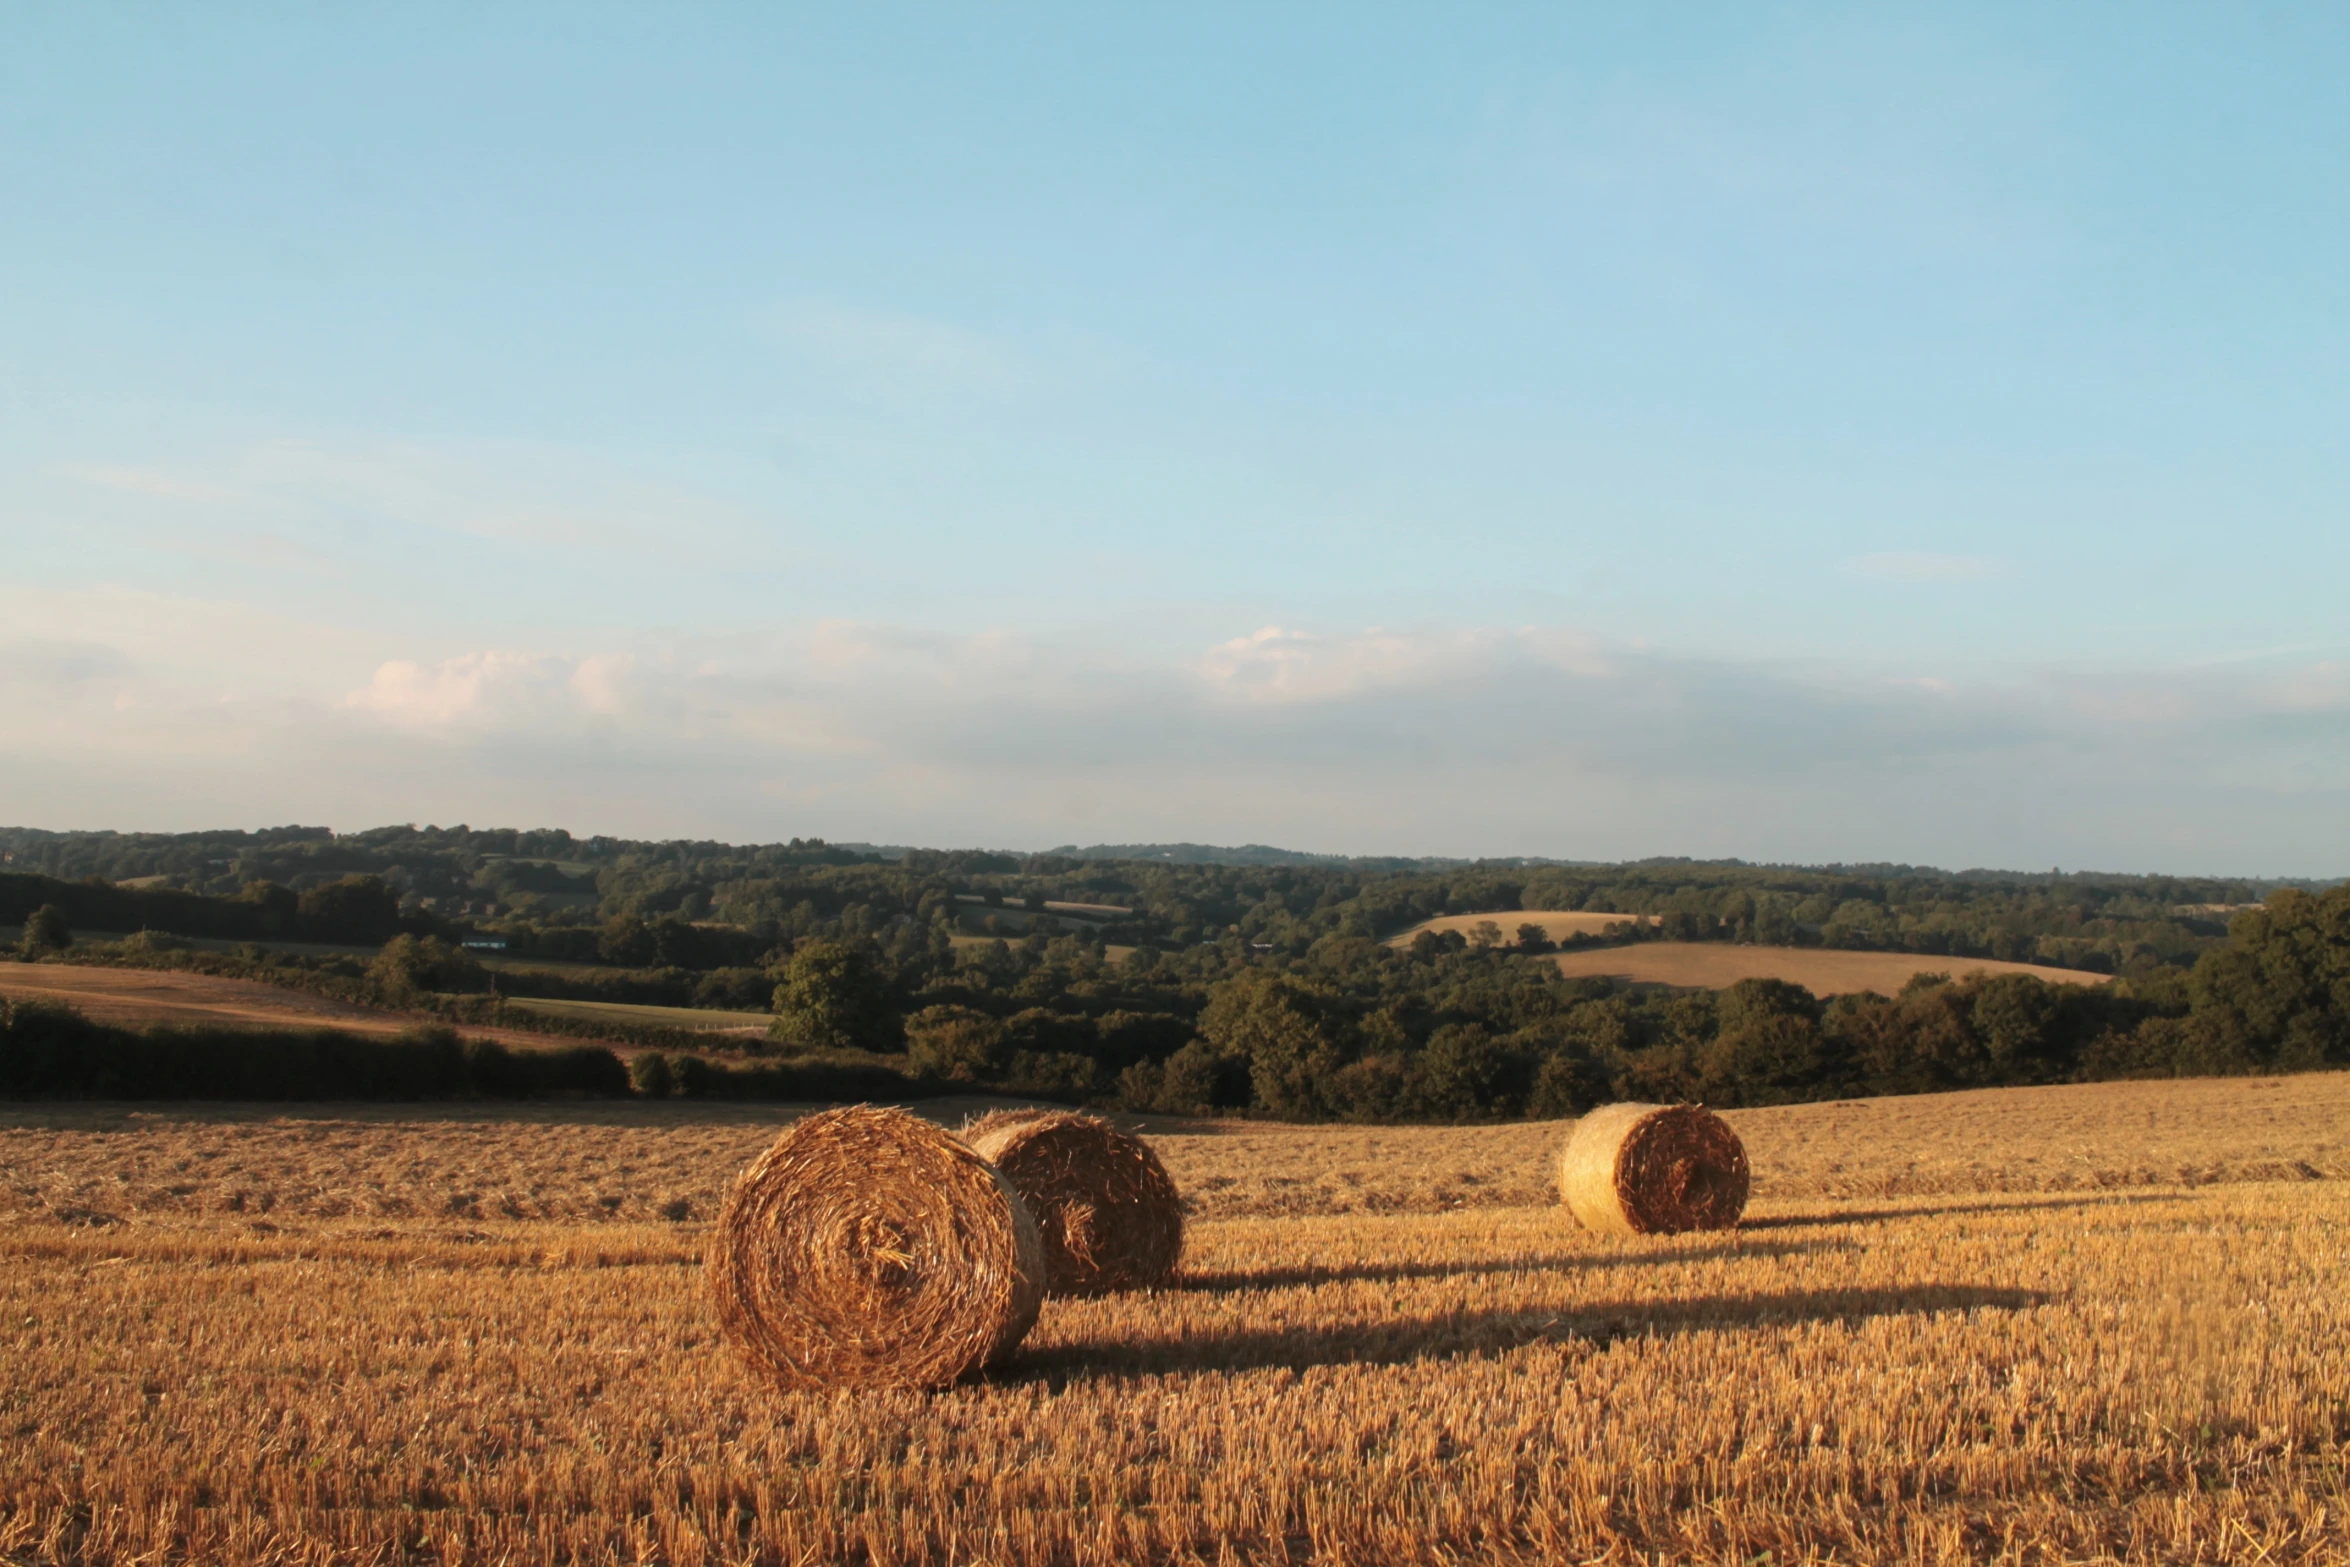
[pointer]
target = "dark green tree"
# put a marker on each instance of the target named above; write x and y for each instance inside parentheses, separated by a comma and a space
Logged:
(1291, 1034)
(1464, 1074)
(45, 931)
(833, 998)
(957, 1042)
(627, 941)
(1195, 1080)
(1776, 1059)
(277, 908)
(1752, 1001)
(360, 910)
(2015, 1016)
(650, 1075)
(411, 964)
(2280, 989)
(1567, 1083)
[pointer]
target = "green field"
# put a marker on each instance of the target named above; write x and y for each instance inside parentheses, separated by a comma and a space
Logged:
(508, 963)
(706, 1019)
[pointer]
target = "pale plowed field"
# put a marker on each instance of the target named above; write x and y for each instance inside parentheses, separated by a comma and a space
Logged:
(243, 1335)
(1711, 965)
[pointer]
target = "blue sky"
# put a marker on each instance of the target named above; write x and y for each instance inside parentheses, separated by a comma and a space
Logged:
(1793, 432)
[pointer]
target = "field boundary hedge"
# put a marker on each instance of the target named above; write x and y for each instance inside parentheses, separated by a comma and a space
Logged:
(49, 1051)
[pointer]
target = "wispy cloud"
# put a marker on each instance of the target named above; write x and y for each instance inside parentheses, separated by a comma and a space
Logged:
(897, 355)
(155, 484)
(497, 691)
(512, 492)
(61, 661)
(1274, 665)
(1918, 566)
(1436, 739)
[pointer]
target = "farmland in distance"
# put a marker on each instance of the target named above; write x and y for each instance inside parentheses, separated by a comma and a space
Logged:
(1557, 924)
(1824, 971)
(142, 997)
(1712, 965)
(2036, 1325)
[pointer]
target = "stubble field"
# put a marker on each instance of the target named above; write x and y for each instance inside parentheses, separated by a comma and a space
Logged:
(1824, 971)
(1557, 924)
(2061, 1325)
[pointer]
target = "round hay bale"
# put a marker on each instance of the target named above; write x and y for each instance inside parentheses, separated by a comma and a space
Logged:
(869, 1248)
(1111, 1217)
(1634, 1169)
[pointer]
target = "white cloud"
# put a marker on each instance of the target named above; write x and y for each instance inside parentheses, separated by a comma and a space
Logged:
(1280, 666)
(1492, 740)
(2322, 687)
(490, 690)
(179, 649)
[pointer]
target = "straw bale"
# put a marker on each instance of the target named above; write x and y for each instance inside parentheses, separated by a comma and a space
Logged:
(1111, 1216)
(869, 1248)
(1638, 1169)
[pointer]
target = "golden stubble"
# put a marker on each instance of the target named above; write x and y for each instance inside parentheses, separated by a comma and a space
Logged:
(2147, 1374)
(1824, 971)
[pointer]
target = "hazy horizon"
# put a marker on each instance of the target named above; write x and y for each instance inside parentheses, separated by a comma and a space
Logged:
(1793, 434)
(1209, 853)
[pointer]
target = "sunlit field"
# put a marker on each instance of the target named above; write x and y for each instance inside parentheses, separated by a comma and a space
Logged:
(2061, 1325)
(1711, 965)
(1556, 924)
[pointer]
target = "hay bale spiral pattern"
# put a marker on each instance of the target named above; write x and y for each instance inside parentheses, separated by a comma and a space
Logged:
(1111, 1216)
(1637, 1169)
(869, 1248)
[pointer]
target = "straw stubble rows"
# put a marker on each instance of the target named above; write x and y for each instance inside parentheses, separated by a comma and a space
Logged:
(2149, 1375)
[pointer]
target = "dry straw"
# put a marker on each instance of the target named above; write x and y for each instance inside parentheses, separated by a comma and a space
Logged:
(1111, 1216)
(869, 1248)
(1634, 1169)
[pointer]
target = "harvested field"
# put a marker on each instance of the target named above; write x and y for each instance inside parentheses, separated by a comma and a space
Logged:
(869, 1248)
(2016, 1364)
(631, 1162)
(1557, 924)
(1824, 971)
(136, 998)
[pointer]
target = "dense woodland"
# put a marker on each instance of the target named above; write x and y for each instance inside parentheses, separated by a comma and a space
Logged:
(1162, 980)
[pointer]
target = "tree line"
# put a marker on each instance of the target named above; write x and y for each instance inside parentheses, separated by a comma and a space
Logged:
(555, 896)
(1444, 1030)
(1273, 989)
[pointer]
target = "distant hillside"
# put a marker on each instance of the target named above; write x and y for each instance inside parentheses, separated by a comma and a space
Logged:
(1266, 854)
(1245, 854)
(1175, 977)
